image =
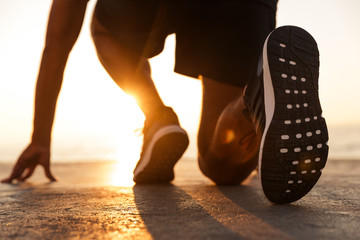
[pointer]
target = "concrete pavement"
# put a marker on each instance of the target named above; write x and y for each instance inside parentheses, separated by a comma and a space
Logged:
(97, 201)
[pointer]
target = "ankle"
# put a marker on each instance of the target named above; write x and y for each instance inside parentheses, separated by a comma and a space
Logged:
(162, 114)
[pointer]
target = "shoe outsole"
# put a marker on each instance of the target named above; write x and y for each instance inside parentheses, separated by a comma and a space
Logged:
(164, 150)
(293, 148)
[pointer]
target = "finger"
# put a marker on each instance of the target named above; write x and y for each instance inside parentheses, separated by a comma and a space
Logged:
(45, 162)
(16, 174)
(48, 173)
(7, 180)
(28, 174)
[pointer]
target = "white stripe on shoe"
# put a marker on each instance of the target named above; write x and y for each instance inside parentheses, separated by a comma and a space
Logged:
(269, 100)
(162, 132)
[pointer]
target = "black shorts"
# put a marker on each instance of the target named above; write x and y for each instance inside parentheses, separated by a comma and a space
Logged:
(218, 39)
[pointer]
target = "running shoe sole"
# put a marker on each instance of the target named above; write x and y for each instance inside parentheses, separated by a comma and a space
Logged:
(164, 150)
(293, 148)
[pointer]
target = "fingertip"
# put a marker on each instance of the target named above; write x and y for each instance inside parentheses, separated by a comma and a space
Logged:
(7, 180)
(53, 179)
(50, 176)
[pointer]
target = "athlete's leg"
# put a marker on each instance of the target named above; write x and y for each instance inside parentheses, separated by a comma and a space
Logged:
(129, 70)
(226, 141)
(164, 140)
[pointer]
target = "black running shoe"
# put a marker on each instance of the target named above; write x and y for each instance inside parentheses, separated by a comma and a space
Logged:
(287, 113)
(164, 144)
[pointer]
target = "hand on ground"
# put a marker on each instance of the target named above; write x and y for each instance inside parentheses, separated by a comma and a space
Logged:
(32, 156)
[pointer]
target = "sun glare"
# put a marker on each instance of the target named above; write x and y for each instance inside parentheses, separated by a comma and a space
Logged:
(121, 175)
(129, 144)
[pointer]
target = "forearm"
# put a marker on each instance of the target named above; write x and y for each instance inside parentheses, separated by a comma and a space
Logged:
(64, 25)
(47, 90)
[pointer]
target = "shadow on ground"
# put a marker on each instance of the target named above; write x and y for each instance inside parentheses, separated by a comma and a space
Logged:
(192, 208)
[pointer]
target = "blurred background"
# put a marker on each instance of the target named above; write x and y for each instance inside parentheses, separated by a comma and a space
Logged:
(96, 121)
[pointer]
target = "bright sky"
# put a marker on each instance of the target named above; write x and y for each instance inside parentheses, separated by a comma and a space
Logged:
(93, 113)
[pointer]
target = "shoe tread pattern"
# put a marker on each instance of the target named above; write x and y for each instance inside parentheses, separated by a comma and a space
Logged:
(295, 147)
